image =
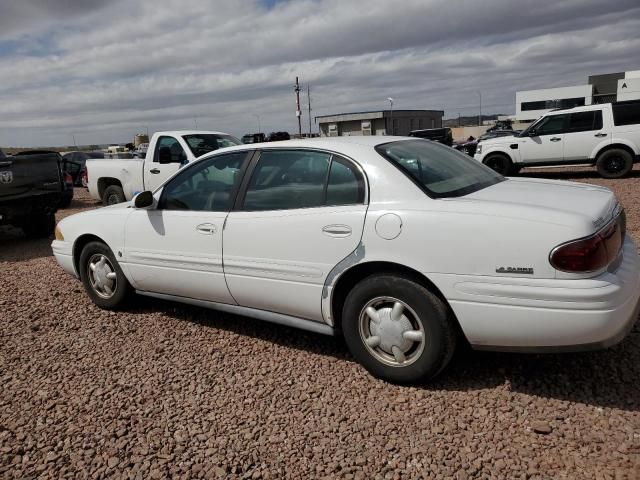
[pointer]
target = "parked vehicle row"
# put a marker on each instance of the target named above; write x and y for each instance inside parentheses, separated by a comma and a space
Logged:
(469, 146)
(403, 246)
(261, 137)
(604, 135)
(115, 181)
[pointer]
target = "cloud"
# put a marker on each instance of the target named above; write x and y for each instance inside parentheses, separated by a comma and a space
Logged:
(106, 69)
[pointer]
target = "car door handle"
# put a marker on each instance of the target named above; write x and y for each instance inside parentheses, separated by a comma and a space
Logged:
(555, 139)
(206, 228)
(337, 230)
(155, 170)
(600, 135)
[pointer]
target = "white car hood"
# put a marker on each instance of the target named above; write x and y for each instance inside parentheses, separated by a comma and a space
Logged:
(597, 204)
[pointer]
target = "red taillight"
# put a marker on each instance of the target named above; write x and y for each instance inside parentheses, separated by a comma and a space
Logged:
(68, 178)
(592, 253)
(85, 176)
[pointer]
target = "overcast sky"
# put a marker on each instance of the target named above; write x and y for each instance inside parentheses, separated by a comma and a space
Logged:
(103, 70)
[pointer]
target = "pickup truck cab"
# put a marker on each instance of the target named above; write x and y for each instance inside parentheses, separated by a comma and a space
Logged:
(605, 135)
(118, 180)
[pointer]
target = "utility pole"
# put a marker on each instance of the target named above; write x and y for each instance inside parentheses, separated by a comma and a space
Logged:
(258, 119)
(309, 100)
(391, 116)
(298, 111)
(74, 140)
(480, 115)
(458, 119)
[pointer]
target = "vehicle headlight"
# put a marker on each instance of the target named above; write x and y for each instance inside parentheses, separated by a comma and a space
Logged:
(479, 148)
(58, 234)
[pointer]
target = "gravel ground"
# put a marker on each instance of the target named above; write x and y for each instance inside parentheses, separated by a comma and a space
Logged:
(164, 390)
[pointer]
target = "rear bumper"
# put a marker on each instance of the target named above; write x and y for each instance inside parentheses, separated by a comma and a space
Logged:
(550, 315)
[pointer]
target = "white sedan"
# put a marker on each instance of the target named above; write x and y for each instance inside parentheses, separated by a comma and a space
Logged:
(403, 245)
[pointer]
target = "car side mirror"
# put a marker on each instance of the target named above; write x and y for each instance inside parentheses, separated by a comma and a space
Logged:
(143, 199)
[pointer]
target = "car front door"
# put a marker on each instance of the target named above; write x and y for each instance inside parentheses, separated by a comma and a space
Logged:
(176, 248)
(168, 157)
(301, 213)
(584, 133)
(545, 142)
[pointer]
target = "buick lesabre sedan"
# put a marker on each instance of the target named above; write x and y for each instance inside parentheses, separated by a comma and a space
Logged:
(404, 246)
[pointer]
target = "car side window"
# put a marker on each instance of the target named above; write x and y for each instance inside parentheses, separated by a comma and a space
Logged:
(208, 185)
(551, 125)
(169, 150)
(287, 179)
(346, 184)
(585, 121)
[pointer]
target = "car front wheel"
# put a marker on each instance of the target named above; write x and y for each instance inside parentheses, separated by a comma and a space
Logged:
(102, 276)
(500, 164)
(397, 329)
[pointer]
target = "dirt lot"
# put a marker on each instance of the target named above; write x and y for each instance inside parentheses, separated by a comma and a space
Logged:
(165, 390)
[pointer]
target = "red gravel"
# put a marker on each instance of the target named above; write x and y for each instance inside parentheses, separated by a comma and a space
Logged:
(166, 390)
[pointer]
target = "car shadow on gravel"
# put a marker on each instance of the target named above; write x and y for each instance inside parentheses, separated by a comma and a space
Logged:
(604, 378)
(16, 247)
(607, 378)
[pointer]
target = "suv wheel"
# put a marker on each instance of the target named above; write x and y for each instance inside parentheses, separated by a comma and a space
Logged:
(397, 329)
(614, 163)
(113, 194)
(102, 276)
(500, 164)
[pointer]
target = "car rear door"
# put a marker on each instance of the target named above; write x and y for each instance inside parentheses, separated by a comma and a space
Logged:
(176, 248)
(546, 142)
(584, 133)
(300, 212)
(168, 157)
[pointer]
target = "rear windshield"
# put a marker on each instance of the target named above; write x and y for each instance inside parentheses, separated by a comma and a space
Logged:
(438, 170)
(626, 113)
(203, 143)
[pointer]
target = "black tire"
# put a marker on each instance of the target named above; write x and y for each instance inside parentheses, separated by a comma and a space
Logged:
(614, 163)
(91, 253)
(424, 359)
(500, 164)
(113, 194)
(39, 225)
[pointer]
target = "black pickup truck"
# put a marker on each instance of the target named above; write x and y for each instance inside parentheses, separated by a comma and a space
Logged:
(31, 189)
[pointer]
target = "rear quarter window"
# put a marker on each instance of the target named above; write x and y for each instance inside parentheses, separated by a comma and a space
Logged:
(626, 113)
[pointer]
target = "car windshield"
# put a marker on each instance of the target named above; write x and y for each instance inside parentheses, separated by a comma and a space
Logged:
(438, 170)
(202, 143)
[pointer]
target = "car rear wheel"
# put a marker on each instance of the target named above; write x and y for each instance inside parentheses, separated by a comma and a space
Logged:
(113, 194)
(500, 164)
(397, 329)
(102, 276)
(614, 163)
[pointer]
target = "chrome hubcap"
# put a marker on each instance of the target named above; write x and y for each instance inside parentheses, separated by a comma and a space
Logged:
(391, 331)
(102, 275)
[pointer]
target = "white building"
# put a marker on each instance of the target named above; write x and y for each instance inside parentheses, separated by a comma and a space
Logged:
(610, 87)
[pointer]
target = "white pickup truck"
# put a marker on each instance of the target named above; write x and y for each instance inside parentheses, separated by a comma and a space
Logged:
(118, 180)
(605, 135)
